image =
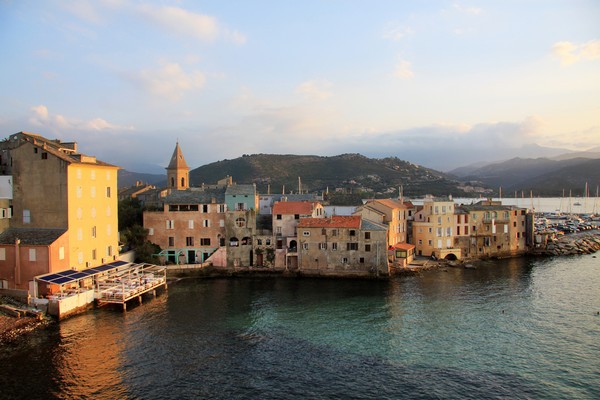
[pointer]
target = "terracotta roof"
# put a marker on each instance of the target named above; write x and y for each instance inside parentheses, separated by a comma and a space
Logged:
(336, 221)
(391, 203)
(294, 207)
(404, 246)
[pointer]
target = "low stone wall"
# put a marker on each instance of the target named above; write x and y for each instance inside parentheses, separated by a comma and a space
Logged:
(582, 243)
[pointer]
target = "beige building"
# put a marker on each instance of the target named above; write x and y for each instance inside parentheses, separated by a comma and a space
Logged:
(390, 212)
(433, 229)
(286, 216)
(489, 229)
(342, 246)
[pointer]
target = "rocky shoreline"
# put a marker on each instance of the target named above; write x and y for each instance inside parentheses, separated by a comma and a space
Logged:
(581, 243)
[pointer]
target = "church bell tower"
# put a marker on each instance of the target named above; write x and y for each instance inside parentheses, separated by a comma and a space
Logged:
(178, 172)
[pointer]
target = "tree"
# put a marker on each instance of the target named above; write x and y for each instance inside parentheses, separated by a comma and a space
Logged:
(130, 213)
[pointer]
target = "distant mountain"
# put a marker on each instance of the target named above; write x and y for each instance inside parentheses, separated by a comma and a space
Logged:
(351, 172)
(542, 175)
(592, 154)
(128, 178)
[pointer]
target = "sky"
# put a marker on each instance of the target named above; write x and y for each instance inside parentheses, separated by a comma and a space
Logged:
(438, 83)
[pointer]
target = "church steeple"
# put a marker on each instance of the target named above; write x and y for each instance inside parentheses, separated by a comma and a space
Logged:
(178, 172)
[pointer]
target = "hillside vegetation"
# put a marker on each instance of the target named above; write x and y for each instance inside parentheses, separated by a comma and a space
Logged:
(349, 173)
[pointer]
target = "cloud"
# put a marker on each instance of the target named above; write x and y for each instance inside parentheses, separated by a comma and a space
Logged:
(170, 81)
(314, 90)
(396, 33)
(403, 70)
(186, 23)
(43, 118)
(570, 53)
(467, 9)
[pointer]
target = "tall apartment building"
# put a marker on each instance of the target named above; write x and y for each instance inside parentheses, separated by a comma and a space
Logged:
(57, 188)
(433, 229)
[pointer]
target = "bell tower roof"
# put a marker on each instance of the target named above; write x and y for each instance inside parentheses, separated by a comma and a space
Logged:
(177, 159)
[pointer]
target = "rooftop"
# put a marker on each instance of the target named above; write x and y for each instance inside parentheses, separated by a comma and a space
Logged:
(336, 221)
(237, 190)
(31, 236)
(195, 196)
(294, 207)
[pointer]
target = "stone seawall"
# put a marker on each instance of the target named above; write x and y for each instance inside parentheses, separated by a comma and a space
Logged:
(580, 243)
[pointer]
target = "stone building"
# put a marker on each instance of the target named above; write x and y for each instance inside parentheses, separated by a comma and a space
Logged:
(240, 224)
(286, 217)
(190, 227)
(342, 246)
(490, 229)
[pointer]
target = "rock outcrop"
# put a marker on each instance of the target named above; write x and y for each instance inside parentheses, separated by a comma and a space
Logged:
(582, 243)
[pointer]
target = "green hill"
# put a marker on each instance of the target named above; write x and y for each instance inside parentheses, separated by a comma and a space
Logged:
(350, 173)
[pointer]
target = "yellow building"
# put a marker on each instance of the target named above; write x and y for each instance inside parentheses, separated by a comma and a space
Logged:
(390, 212)
(55, 187)
(433, 229)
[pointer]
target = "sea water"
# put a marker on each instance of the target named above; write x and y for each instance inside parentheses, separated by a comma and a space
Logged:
(517, 328)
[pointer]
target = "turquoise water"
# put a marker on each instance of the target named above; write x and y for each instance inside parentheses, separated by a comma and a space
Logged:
(520, 328)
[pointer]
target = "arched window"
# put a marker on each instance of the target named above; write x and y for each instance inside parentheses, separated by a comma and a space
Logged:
(182, 182)
(240, 222)
(246, 241)
(172, 182)
(233, 242)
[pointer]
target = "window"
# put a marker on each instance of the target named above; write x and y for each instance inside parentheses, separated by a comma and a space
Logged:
(334, 246)
(268, 242)
(221, 208)
(26, 216)
(430, 242)
(108, 191)
(367, 235)
(278, 230)
(44, 156)
(278, 216)
(279, 244)
(32, 255)
(367, 247)
(361, 260)
(438, 232)
(296, 216)
(93, 231)
(93, 191)
(2, 254)
(170, 224)
(322, 246)
(191, 224)
(334, 232)
(259, 242)
(323, 231)
(234, 242)
(420, 241)
(352, 232)
(93, 254)
(205, 242)
(306, 233)
(204, 208)
(240, 207)
(305, 246)
(240, 222)
(189, 241)
(505, 228)
(171, 241)
(206, 223)
(61, 253)
(351, 246)
(150, 231)
(109, 251)
(344, 260)
(222, 223)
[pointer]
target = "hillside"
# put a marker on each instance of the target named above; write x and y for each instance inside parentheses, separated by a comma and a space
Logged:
(127, 178)
(542, 175)
(350, 172)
